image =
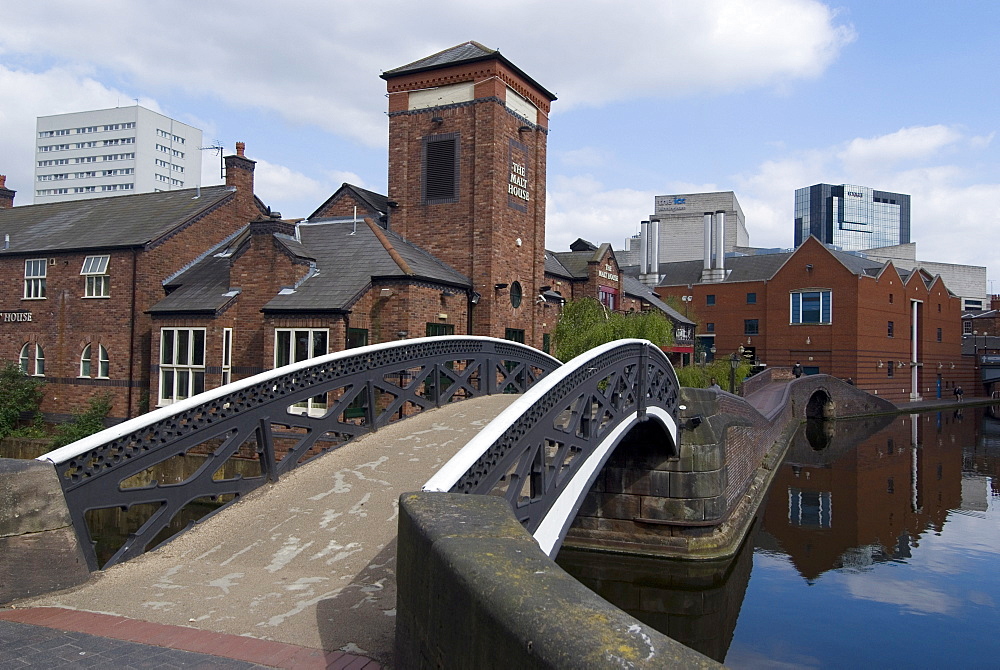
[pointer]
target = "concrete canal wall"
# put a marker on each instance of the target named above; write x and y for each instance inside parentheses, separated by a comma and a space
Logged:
(474, 590)
(39, 551)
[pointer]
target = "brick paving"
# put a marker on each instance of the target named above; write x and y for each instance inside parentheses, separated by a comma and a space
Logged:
(52, 637)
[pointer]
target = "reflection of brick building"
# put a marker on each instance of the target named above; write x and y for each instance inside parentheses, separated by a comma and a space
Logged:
(864, 496)
(836, 313)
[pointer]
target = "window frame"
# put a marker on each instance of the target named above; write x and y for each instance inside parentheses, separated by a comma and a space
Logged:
(825, 307)
(316, 405)
(181, 370)
(747, 323)
(34, 284)
(95, 271)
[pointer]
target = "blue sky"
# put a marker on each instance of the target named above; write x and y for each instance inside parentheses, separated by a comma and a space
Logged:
(655, 97)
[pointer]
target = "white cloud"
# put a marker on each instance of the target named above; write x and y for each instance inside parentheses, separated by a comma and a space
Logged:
(321, 71)
(907, 144)
(582, 207)
(911, 595)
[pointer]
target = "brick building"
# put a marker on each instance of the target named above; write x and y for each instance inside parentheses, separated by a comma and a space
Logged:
(160, 296)
(894, 333)
(80, 276)
(467, 152)
(589, 270)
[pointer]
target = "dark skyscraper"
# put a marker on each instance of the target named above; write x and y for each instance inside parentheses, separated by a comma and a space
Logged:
(851, 217)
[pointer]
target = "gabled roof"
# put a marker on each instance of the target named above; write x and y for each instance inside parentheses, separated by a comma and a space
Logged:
(467, 52)
(575, 264)
(377, 202)
(348, 257)
(758, 267)
(203, 286)
(634, 287)
(343, 259)
(105, 223)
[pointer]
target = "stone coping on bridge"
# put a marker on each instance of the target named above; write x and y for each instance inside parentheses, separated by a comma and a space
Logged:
(476, 591)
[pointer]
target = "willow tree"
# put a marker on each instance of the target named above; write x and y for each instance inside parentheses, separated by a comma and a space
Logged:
(586, 323)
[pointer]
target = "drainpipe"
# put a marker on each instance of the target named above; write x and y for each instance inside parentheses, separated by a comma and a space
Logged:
(914, 357)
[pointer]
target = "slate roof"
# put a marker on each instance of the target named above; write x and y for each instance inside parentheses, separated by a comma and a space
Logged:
(573, 264)
(344, 260)
(757, 268)
(467, 52)
(634, 287)
(105, 223)
(348, 258)
(376, 201)
(203, 287)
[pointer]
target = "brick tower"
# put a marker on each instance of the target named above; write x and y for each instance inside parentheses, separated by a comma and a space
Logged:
(467, 143)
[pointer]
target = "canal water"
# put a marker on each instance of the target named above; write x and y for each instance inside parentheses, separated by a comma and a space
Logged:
(878, 546)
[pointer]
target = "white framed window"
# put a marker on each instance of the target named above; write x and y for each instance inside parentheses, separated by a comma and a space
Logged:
(35, 270)
(815, 306)
(103, 362)
(227, 355)
(292, 345)
(95, 272)
(182, 363)
(85, 362)
(34, 367)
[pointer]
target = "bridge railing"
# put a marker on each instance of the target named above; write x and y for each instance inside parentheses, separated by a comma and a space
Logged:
(544, 451)
(277, 420)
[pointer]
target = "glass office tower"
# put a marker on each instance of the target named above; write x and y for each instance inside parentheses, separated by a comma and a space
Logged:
(851, 217)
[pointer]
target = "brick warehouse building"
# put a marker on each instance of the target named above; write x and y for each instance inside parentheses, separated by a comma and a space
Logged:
(836, 313)
(80, 275)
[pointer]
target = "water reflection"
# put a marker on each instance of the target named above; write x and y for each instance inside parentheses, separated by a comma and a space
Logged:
(879, 538)
(695, 602)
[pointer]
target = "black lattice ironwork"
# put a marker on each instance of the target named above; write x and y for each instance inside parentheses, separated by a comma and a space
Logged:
(306, 408)
(541, 450)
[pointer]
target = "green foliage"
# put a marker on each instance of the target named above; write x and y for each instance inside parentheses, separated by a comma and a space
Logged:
(697, 376)
(88, 423)
(586, 323)
(19, 394)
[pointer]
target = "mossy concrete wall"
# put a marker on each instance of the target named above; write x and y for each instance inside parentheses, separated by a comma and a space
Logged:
(474, 590)
(39, 550)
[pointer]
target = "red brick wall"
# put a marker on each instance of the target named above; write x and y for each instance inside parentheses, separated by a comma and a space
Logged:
(857, 340)
(65, 322)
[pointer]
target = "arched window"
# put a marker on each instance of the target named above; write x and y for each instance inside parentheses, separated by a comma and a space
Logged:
(39, 361)
(103, 363)
(85, 362)
(25, 359)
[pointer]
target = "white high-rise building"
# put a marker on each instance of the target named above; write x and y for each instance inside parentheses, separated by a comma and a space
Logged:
(113, 152)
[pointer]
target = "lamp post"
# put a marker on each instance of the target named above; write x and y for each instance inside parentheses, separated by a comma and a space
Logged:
(686, 299)
(735, 359)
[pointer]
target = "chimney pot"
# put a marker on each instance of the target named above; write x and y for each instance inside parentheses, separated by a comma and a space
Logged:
(3, 180)
(240, 148)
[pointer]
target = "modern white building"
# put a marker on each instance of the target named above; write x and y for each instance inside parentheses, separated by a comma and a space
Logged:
(115, 151)
(680, 233)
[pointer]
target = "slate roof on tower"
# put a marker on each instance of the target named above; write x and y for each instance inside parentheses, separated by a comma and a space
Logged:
(467, 52)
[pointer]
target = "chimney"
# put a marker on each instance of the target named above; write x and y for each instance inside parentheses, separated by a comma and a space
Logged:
(239, 173)
(707, 264)
(6, 195)
(720, 240)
